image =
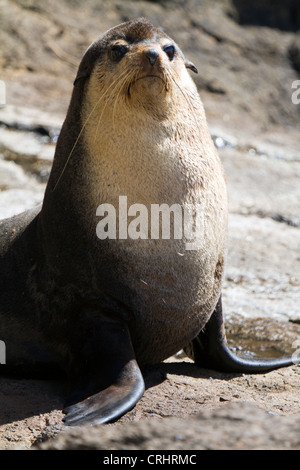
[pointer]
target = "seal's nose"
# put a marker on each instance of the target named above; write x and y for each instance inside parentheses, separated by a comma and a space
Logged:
(152, 55)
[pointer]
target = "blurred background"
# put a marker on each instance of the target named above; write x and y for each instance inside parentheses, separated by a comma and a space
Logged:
(248, 57)
(247, 53)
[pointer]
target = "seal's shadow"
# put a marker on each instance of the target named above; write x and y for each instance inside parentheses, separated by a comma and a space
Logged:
(24, 398)
(154, 375)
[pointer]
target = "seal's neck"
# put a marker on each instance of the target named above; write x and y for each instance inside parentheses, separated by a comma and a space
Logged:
(149, 155)
(125, 148)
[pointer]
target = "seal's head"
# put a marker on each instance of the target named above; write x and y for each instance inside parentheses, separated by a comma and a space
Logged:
(130, 80)
(135, 60)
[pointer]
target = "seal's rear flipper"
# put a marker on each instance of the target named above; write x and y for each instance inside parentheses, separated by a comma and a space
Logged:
(108, 380)
(209, 350)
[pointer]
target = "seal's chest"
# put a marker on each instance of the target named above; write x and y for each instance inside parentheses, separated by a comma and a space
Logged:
(169, 305)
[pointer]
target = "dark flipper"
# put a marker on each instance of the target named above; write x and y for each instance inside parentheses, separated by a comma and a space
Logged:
(109, 382)
(110, 403)
(209, 350)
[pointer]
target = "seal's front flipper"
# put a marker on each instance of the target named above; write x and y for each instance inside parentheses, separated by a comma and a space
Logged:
(108, 380)
(210, 350)
(110, 403)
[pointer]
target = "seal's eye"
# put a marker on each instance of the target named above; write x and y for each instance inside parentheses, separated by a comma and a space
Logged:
(117, 52)
(170, 51)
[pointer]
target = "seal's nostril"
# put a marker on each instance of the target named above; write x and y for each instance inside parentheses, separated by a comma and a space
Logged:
(152, 55)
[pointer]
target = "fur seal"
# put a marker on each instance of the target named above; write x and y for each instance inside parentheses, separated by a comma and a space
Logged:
(98, 309)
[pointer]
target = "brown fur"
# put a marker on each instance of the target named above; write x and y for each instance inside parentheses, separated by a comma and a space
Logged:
(137, 130)
(96, 307)
(147, 138)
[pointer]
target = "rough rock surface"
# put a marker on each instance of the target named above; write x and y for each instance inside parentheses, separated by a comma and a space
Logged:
(247, 54)
(234, 426)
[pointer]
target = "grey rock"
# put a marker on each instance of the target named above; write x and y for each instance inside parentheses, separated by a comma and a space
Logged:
(239, 426)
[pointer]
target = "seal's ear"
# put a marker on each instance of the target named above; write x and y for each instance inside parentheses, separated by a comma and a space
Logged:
(81, 74)
(191, 66)
(87, 62)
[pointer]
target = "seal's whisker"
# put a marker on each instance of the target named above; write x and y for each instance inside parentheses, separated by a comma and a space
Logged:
(166, 79)
(75, 144)
(185, 95)
(116, 84)
(115, 105)
(123, 86)
(120, 83)
(83, 127)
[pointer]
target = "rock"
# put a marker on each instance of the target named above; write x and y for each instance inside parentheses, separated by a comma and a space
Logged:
(29, 151)
(238, 426)
(250, 68)
(27, 148)
(18, 190)
(30, 119)
(274, 13)
(294, 54)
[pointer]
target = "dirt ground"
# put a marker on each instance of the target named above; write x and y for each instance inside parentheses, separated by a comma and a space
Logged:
(174, 389)
(245, 77)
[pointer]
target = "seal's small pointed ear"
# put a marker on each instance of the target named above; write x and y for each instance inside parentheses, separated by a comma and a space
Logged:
(191, 66)
(81, 74)
(87, 61)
